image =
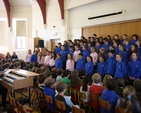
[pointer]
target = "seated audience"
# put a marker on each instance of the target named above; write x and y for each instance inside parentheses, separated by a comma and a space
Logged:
(137, 86)
(59, 74)
(129, 101)
(66, 75)
(14, 56)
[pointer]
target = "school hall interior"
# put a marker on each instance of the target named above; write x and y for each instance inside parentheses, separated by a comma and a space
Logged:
(27, 24)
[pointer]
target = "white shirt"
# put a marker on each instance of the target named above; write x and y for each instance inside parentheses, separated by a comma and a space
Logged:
(76, 55)
(94, 55)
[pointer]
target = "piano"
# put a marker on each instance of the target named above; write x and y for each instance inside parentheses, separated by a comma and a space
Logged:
(15, 79)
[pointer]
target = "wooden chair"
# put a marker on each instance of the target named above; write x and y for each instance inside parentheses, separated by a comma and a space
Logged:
(93, 98)
(60, 106)
(74, 93)
(48, 99)
(81, 98)
(13, 106)
(39, 97)
(104, 104)
(77, 110)
(24, 109)
(121, 110)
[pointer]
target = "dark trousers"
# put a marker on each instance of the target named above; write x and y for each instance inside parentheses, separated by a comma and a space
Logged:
(3, 92)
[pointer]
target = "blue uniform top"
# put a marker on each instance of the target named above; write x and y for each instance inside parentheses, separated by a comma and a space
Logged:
(110, 66)
(89, 67)
(80, 64)
(63, 55)
(100, 68)
(33, 58)
(112, 98)
(134, 69)
(128, 47)
(98, 47)
(58, 63)
(106, 47)
(124, 56)
(120, 70)
(133, 42)
(85, 54)
(51, 92)
(71, 52)
(57, 50)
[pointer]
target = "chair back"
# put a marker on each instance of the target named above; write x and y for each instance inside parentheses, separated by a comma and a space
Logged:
(48, 99)
(12, 101)
(81, 97)
(20, 108)
(39, 94)
(60, 105)
(77, 110)
(94, 97)
(121, 110)
(104, 104)
(73, 91)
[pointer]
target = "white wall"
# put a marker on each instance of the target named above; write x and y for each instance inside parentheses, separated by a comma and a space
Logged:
(53, 19)
(79, 16)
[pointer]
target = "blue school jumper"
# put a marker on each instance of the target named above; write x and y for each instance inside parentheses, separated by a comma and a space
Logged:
(134, 69)
(120, 70)
(98, 48)
(100, 68)
(116, 49)
(71, 52)
(33, 58)
(89, 67)
(110, 66)
(80, 64)
(127, 48)
(85, 54)
(106, 47)
(112, 98)
(58, 63)
(63, 55)
(133, 42)
(57, 50)
(124, 56)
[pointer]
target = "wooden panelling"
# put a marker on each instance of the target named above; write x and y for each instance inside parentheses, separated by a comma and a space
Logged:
(128, 28)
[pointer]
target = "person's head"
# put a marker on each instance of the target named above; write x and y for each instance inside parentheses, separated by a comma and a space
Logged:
(124, 36)
(84, 47)
(75, 81)
(38, 70)
(80, 56)
(69, 56)
(82, 72)
(63, 47)
(93, 49)
(116, 36)
(92, 39)
(95, 35)
(71, 48)
(66, 73)
(101, 58)
(53, 55)
(61, 87)
(102, 51)
(96, 78)
(29, 51)
(49, 82)
(35, 52)
(54, 70)
(86, 81)
(59, 71)
(138, 43)
(120, 82)
(135, 37)
(89, 59)
(106, 78)
(134, 56)
(111, 84)
(137, 85)
(14, 53)
(48, 74)
(106, 42)
(111, 53)
(58, 55)
(89, 44)
(129, 96)
(75, 72)
(59, 44)
(111, 48)
(118, 57)
(121, 47)
(115, 44)
(134, 48)
(17, 65)
(41, 78)
(97, 43)
(76, 48)
(126, 42)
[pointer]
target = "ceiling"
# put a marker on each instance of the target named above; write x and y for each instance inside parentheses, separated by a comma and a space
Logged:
(19, 2)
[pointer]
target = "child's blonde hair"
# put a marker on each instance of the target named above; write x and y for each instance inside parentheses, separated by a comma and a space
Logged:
(96, 78)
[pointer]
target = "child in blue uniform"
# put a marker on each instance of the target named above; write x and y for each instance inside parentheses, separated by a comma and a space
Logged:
(110, 64)
(80, 64)
(89, 67)
(85, 52)
(120, 69)
(101, 66)
(58, 61)
(109, 95)
(135, 39)
(123, 53)
(58, 48)
(134, 68)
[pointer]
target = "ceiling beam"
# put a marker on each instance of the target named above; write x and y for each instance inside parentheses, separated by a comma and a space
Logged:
(42, 4)
(7, 6)
(61, 5)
